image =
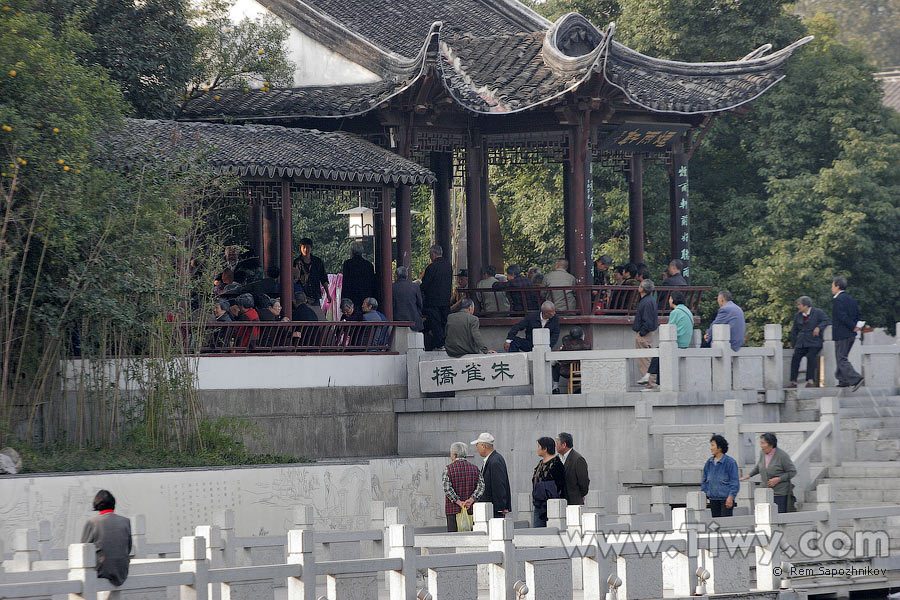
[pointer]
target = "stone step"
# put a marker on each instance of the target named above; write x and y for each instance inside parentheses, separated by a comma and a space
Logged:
(870, 422)
(865, 469)
(876, 450)
(867, 483)
(880, 433)
(871, 412)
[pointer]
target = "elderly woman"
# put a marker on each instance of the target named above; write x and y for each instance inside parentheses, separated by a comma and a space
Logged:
(548, 481)
(463, 484)
(775, 468)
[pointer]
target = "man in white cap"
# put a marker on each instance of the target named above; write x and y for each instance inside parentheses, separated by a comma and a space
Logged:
(493, 472)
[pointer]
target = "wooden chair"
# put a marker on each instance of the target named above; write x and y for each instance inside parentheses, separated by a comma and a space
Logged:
(574, 375)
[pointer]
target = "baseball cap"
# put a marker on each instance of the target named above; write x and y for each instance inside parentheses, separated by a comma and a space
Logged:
(484, 438)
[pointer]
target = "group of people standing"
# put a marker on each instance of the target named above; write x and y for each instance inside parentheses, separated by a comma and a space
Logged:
(561, 473)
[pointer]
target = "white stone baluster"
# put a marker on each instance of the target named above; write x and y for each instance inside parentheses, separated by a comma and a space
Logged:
(83, 568)
(300, 547)
(402, 583)
(193, 560)
(502, 575)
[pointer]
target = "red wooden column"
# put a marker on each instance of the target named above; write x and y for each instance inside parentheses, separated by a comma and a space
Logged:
(383, 251)
(404, 200)
(254, 227)
(442, 165)
(486, 246)
(287, 250)
(270, 234)
(474, 189)
(679, 210)
(577, 219)
(636, 209)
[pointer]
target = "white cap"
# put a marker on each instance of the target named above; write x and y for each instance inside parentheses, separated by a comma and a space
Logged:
(484, 438)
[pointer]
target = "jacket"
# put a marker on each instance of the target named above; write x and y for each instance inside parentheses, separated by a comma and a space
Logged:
(548, 481)
(646, 320)
(683, 320)
(564, 300)
(496, 482)
(359, 280)
(844, 316)
(407, 301)
(437, 283)
(801, 335)
(731, 314)
(531, 322)
(720, 479)
(519, 301)
(463, 335)
(111, 535)
(313, 276)
(577, 480)
(674, 280)
(781, 466)
(491, 302)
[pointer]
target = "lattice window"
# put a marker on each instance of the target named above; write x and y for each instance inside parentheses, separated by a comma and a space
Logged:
(527, 148)
(257, 193)
(339, 195)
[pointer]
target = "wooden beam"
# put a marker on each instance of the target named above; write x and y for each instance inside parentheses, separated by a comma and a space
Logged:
(287, 249)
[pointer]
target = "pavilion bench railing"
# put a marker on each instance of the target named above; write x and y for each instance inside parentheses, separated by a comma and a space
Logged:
(633, 555)
(292, 337)
(577, 300)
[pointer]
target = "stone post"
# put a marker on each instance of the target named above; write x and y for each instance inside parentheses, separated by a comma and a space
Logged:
(768, 557)
(402, 583)
(773, 366)
(25, 551)
(300, 546)
(595, 569)
(684, 563)
(541, 375)
(830, 361)
(733, 414)
(482, 513)
(641, 575)
(393, 515)
(556, 513)
(644, 450)
(502, 575)
(44, 539)
(548, 579)
(830, 412)
(574, 516)
(660, 502)
(225, 522)
(453, 583)
(139, 536)
(193, 560)
(213, 538)
(625, 508)
(416, 347)
(669, 370)
(825, 498)
(721, 365)
(83, 568)
(377, 523)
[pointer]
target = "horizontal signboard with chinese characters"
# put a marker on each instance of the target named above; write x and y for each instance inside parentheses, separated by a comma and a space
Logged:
(643, 137)
(474, 372)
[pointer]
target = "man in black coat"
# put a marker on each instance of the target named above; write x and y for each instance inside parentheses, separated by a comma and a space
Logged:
(437, 283)
(313, 276)
(519, 301)
(846, 321)
(359, 276)
(495, 476)
(646, 322)
(577, 480)
(546, 318)
(407, 298)
(806, 337)
(673, 274)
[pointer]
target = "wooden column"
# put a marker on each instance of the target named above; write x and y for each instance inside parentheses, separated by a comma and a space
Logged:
(404, 200)
(485, 215)
(383, 251)
(636, 209)
(287, 251)
(679, 213)
(442, 165)
(568, 229)
(270, 230)
(474, 188)
(254, 227)
(578, 259)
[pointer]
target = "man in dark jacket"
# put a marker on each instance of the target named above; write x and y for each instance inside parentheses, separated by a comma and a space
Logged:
(546, 318)
(437, 282)
(846, 321)
(496, 478)
(673, 274)
(646, 322)
(464, 332)
(407, 299)
(806, 337)
(359, 276)
(313, 276)
(111, 535)
(519, 301)
(577, 480)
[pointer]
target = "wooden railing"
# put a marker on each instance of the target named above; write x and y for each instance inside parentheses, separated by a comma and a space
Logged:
(573, 300)
(292, 337)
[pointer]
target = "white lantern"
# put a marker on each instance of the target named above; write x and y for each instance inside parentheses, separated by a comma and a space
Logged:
(361, 222)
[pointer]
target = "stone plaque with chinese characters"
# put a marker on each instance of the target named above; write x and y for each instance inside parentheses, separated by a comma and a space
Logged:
(474, 372)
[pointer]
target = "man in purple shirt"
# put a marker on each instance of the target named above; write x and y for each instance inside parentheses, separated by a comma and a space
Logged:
(729, 314)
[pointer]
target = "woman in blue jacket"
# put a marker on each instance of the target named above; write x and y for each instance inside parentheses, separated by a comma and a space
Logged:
(720, 478)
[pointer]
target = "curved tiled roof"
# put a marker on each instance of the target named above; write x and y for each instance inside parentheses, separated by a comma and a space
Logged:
(890, 83)
(263, 150)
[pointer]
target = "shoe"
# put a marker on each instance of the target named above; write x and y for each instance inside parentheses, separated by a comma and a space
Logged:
(650, 388)
(556, 391)
(857, 384)
(843, 385)
(793, 384)
(644, 380)
(811, 384)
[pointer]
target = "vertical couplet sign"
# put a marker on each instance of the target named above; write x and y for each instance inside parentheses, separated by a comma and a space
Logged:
(680, 207)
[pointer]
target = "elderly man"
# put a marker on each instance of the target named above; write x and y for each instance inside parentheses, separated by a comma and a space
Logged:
(491, 302)
(407, 299)
(847, 322)
(463, 484)
(546, 318)
(370, 310)
(519, 300)
(646, 322)
(673, 274)
(111, 535)
(577, 480)
(463, 335)
(495, 475)
(359, 276)
(436, 283)
(560, 277)
(806, 337)
(462, 282)
(729, 314)
(220, 310)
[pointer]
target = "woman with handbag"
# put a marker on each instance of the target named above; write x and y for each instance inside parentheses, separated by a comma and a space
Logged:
(548, 481)
(463, 485)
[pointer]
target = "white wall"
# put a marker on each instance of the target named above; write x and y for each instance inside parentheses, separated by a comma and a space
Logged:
(316, 64)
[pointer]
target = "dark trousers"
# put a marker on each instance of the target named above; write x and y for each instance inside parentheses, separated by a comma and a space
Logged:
(812, 363)
(435, 324)
(654, 369)
(520, 345)
(781, 503)
(846, 374)
(717, 508)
